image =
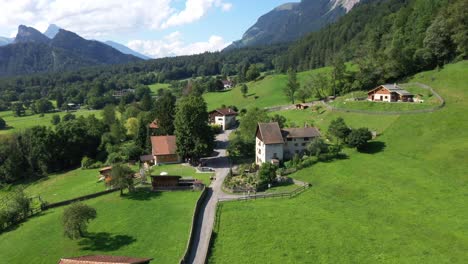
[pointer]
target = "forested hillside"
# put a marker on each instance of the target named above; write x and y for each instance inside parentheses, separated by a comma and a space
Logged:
(387, 39)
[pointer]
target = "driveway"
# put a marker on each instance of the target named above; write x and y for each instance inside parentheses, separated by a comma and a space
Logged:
(205, 221)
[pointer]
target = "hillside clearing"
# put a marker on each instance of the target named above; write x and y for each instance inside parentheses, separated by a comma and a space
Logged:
(401, 201)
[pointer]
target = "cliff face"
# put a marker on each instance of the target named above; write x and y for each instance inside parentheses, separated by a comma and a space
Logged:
(291, 21)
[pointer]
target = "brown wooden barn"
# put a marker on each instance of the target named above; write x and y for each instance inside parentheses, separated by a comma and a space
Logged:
(164, 149)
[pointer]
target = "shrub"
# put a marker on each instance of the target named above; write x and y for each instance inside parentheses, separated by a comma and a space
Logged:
(217, 129)
(267, 173)
(86, 162)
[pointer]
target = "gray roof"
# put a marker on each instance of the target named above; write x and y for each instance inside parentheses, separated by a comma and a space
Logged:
(305, 132)
(397, 89)
(270, 133)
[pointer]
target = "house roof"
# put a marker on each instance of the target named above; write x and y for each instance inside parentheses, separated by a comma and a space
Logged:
(270, 133)
(105, 169)
(393, 88)
(225, 111)
(154, 124)
(164, 145)
(101, 259)
(227, 82)
(305, 132)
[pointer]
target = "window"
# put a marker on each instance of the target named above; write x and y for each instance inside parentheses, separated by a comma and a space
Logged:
(220, 119)
(275, 156)
(306, 139)
(386, 97)
(303, 144)
(259, 151)
(289, 139)
(295, 144)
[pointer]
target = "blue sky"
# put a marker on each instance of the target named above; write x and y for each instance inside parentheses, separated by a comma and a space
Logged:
(154, 27)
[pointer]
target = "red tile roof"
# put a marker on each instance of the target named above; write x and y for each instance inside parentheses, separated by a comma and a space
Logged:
(100, 259)
(164, 145)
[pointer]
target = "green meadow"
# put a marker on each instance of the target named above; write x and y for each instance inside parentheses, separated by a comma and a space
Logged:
(144, 224)
(263, 93)
(401, 200)
(182, 170)
(16, 123)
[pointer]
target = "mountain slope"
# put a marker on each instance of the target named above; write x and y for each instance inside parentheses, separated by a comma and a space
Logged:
(126, 50)
(5, 41)
(33, 52)
(51, 31)
(30, 34)
(291, 21)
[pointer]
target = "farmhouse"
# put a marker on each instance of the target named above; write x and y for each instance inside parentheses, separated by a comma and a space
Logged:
(164, 149)
(100, 259)
(227, 84)
(274, 144)
(225, 117)
(389, 93)
(105, 174)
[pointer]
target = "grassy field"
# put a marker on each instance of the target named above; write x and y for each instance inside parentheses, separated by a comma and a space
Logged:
(402, 200)
(269, 92)
(155, 87)
(17, 123)
(182, 170)
(147, 224)
(430, 101)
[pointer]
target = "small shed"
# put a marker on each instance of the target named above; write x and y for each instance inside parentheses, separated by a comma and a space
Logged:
(165, 181)
(102, 259)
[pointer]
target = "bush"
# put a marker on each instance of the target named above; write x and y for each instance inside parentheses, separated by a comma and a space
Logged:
(2, 123)
(86, 162)
(267, 173)
(55, 119)
(217, 129)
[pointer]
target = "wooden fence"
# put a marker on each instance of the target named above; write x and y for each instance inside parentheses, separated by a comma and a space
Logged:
(268, 195)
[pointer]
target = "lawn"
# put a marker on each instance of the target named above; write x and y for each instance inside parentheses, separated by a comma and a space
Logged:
(430, 101)
(17, 123)
(154, 225)
(264, 93)
(182, 170)
(403, 200)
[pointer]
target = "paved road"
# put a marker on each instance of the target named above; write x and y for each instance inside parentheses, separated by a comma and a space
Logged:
(207, 214)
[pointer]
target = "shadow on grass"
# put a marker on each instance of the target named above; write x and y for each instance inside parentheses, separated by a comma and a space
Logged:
(15, 226)
(373, 147)
(142, 194)
(103, 241)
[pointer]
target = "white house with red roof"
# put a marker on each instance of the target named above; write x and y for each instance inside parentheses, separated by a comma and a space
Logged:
(225, 117)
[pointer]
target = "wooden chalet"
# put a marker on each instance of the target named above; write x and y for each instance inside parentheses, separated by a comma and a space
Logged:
(389, 93)
(164, 149)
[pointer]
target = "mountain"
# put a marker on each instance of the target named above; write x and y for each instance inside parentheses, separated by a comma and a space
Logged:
(51, 31)
(5, 41)
(126, 50)
(33, 52)
(291, 21)
(30, 34)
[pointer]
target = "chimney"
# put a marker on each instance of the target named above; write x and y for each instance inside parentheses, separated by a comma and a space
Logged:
(395, 85)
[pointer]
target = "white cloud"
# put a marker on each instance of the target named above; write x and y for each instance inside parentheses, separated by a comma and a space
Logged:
(173, 45)
(194, 10)
(95, 18)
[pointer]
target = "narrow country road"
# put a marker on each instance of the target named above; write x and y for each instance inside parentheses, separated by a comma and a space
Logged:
(205, 221)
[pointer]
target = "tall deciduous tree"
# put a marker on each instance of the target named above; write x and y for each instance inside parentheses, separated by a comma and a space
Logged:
(244, 90)
(195, 137)
(292, 86)
(122, 177)
(358, 138)
(76, 218)
(108, 115)
(339, 129)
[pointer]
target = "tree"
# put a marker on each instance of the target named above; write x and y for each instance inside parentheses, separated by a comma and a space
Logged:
(248, 124)
(68, 117)
(132, 126)
(252, 73)
(164, 112)
(338, 73)
(304, 93)
(281, 120)
(146, 102)
(292, 86)
(108, 115)
(339, 129)
(317, 146)
(122, 177)
(195, 137)
(42, 106)
(267, 173)
(18, 109)
(319, 85)
(142, 136)
(59, 98)
(438, 40)
(244, 90)
(3, 124)
(55, 119)
(358, 138)
(76, 218)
